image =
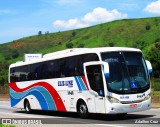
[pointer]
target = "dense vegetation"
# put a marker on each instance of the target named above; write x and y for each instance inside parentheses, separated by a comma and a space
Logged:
(139, 33)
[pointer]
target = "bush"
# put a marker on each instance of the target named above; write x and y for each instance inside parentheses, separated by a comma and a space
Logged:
(148, 27)
(69, 45)
(111, 44)
(156, 84)
(80, 45)
(157, 40)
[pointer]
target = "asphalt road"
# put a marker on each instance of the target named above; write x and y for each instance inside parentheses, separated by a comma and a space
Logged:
(49, 118)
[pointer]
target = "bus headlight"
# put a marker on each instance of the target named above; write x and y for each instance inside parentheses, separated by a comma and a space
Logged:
(112, 99)
(147, 97)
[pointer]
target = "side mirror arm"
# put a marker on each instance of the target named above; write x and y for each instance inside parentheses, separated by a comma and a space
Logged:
(149, 66)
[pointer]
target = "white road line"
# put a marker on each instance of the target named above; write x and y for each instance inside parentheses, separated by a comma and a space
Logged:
(27, 115)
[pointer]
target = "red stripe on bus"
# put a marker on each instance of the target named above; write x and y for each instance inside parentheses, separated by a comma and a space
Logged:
(85, 82)
(57, 99)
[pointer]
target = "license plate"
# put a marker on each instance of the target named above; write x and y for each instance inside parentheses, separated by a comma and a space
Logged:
(133, 105)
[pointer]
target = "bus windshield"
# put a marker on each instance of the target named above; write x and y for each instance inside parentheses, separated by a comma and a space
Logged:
(128, 72)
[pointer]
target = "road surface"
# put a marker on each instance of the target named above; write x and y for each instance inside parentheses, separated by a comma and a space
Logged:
(47, 118)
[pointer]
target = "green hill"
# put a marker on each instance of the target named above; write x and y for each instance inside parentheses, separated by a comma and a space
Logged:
(139, 33)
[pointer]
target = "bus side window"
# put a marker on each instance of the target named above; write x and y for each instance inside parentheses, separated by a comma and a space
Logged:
(95, 78)
(44, 70)
(51, 69)
(34, 73)
(79, 66)
(62, 68)
(12, 79)
(56, 69)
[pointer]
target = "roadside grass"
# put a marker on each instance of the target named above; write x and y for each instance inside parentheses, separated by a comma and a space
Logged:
(156, 93)
(155, 83)
(6, 125)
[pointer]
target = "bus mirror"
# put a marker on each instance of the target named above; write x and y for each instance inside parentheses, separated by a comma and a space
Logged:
(149, 66)
(106, 69)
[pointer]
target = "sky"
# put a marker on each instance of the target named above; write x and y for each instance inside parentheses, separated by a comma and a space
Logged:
(22, 18)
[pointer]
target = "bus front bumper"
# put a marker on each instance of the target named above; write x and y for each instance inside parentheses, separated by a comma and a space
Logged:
(116, 108)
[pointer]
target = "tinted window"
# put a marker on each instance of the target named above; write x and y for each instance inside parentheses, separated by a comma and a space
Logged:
(94, 75)
(65, 67)
(128, 73)
(19, 74)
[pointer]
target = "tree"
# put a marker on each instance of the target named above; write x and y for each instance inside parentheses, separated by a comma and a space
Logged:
(47, 32)
(39, 32)
(154, 56)
(73, 33)
(4, 73)
(2, 81)
(15, 54)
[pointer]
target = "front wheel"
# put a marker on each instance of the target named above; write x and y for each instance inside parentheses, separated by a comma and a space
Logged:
(83, 110)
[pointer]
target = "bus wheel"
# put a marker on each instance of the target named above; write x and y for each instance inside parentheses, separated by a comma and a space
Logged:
(27, 106)
(83, 110)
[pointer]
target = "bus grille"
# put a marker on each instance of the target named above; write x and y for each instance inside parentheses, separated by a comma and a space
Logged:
(134, 101)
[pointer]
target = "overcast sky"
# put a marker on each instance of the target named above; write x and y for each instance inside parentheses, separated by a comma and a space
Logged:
(21, 18)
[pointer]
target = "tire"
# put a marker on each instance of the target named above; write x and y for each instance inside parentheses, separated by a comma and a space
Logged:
(27, 107)
(83, 110)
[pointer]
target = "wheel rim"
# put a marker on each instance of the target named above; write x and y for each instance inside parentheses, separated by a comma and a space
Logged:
(83, 109)
(27, 107)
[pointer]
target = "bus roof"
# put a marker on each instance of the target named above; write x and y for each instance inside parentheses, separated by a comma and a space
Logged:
(74, 51)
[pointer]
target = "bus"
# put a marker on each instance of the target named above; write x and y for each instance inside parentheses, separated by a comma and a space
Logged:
(107, 80)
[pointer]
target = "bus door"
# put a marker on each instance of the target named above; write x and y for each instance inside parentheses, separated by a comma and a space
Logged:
(95, 80)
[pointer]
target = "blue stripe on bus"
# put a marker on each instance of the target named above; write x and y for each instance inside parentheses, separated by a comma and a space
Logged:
(81, 83)
(35, 93)
(43, 91)
(14, 101)
(79, 86)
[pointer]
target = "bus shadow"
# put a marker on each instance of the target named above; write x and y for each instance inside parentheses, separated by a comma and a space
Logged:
(100, 117)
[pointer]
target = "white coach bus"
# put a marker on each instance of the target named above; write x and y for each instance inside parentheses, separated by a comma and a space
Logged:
(105, 80)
